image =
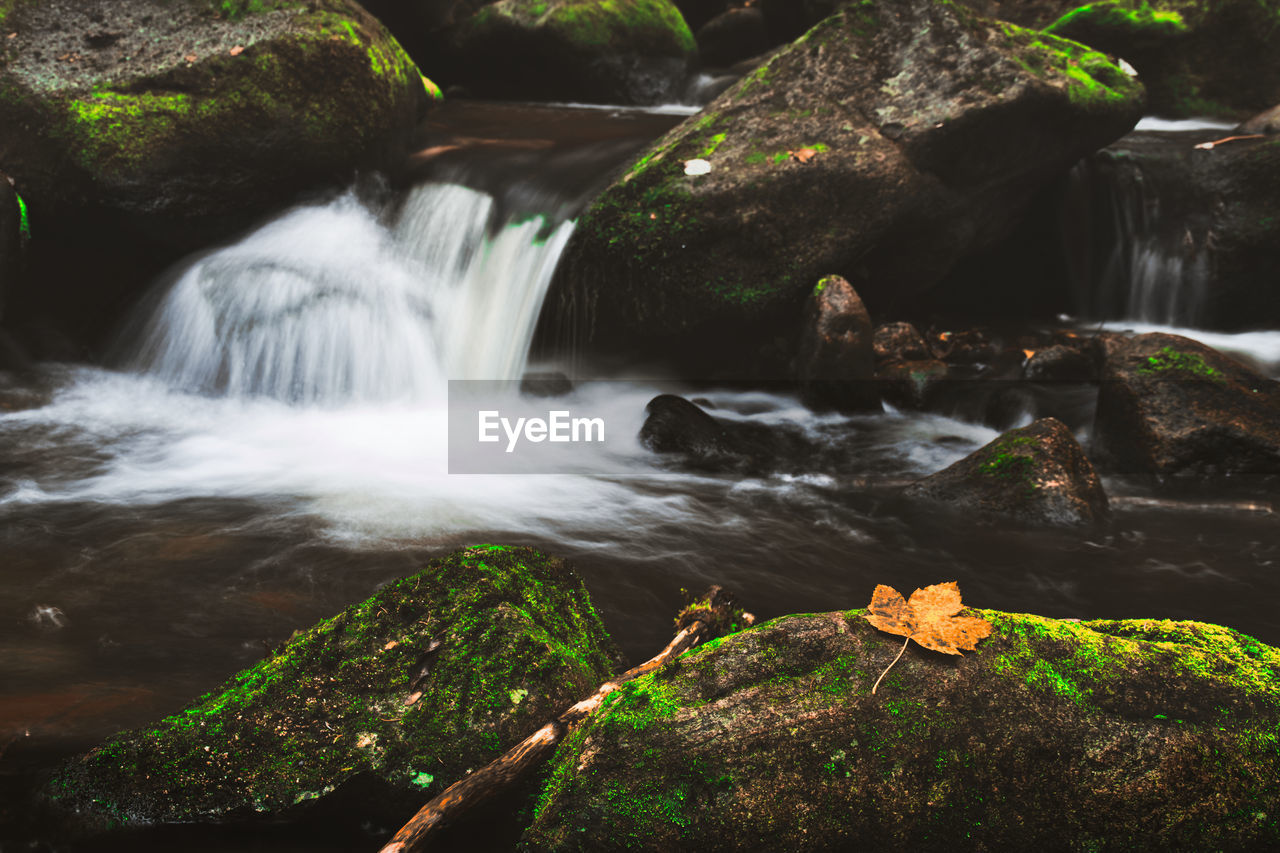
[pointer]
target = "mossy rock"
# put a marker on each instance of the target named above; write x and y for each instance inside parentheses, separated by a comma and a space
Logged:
(891, 140)
(397, 698)
(611, 51)
(188, 119)
(1169, 405)
(1196, 57)
(1037, 474)
(1053, 735)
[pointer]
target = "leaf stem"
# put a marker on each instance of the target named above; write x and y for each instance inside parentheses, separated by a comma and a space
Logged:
(890, 666)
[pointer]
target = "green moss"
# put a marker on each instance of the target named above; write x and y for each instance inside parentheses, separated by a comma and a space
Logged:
(712, 145)
(1093, 80)
(236, 9)
(433, 676)
(1121, 17)
(597, 25)
(1169, 360)
(24, 223)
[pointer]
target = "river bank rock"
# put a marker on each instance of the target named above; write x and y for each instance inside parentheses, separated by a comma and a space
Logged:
(1169, 405)
(884, 145)
(1053, 734)
(1037, 474)
(396, 697)
(626, 51)
(836, 359)
(733, 36)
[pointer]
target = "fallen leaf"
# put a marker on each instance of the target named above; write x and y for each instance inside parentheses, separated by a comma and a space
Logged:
(1027, 353)
(13, 35)
(190, 57)
(930, 618)
(391, 644)
(236, 51)
(804, 155)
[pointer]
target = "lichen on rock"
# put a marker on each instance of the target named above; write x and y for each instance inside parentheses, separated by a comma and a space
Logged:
(399, 696)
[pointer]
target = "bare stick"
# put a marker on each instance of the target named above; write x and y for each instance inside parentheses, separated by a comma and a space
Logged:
(1208, 146)
(890, 666)
(707, 617)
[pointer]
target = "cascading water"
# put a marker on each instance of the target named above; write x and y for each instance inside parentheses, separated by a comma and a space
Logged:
(328, 306)
(1149, 263)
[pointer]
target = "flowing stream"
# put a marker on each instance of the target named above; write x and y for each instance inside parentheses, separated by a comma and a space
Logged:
(271, 446)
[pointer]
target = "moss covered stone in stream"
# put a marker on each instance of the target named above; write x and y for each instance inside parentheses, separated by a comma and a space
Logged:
(211, 113)
(397, 697)
(1053, 734)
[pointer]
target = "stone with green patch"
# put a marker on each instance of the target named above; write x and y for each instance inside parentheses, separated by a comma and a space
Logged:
(1053, 734)
(929, 128)
(612, 51)
(1172, 406)
(1037, 474)
(397, 697)
(187, 118)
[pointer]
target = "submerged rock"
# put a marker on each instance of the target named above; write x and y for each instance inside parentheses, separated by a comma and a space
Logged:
(189, 118)
(1053, 734)
(681, 429)
(1171, 405)
(397, 697)
(1036, 474)
(836, 360)
(623, 51)
(889, 141)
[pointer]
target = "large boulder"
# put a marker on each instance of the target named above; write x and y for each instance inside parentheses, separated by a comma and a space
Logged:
(1204, 57)
(1052, 735)
(181, 116)
(621, 51)
(884, 145)
(397, 698)
(1169, 405)
(1036, 474)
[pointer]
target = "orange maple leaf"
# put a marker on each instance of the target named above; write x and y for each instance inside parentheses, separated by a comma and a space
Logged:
(804, 155)
(930, 618)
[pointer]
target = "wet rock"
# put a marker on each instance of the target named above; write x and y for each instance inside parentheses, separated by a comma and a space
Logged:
(1060, 363)
(629, 51)
(884, 145)
(733, 36)
(397, 697)
(701, 442)
(899, 342)
(1052, 734)
(1266, 122)
(1169, 405)
(907, 384)
(551, 383)
(1195, 59)
(835, 363)
(1037, 474)
(222, 125)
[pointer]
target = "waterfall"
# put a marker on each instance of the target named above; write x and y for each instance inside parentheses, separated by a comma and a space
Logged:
(1148, 259)
(1142, 254)
(329, 305)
